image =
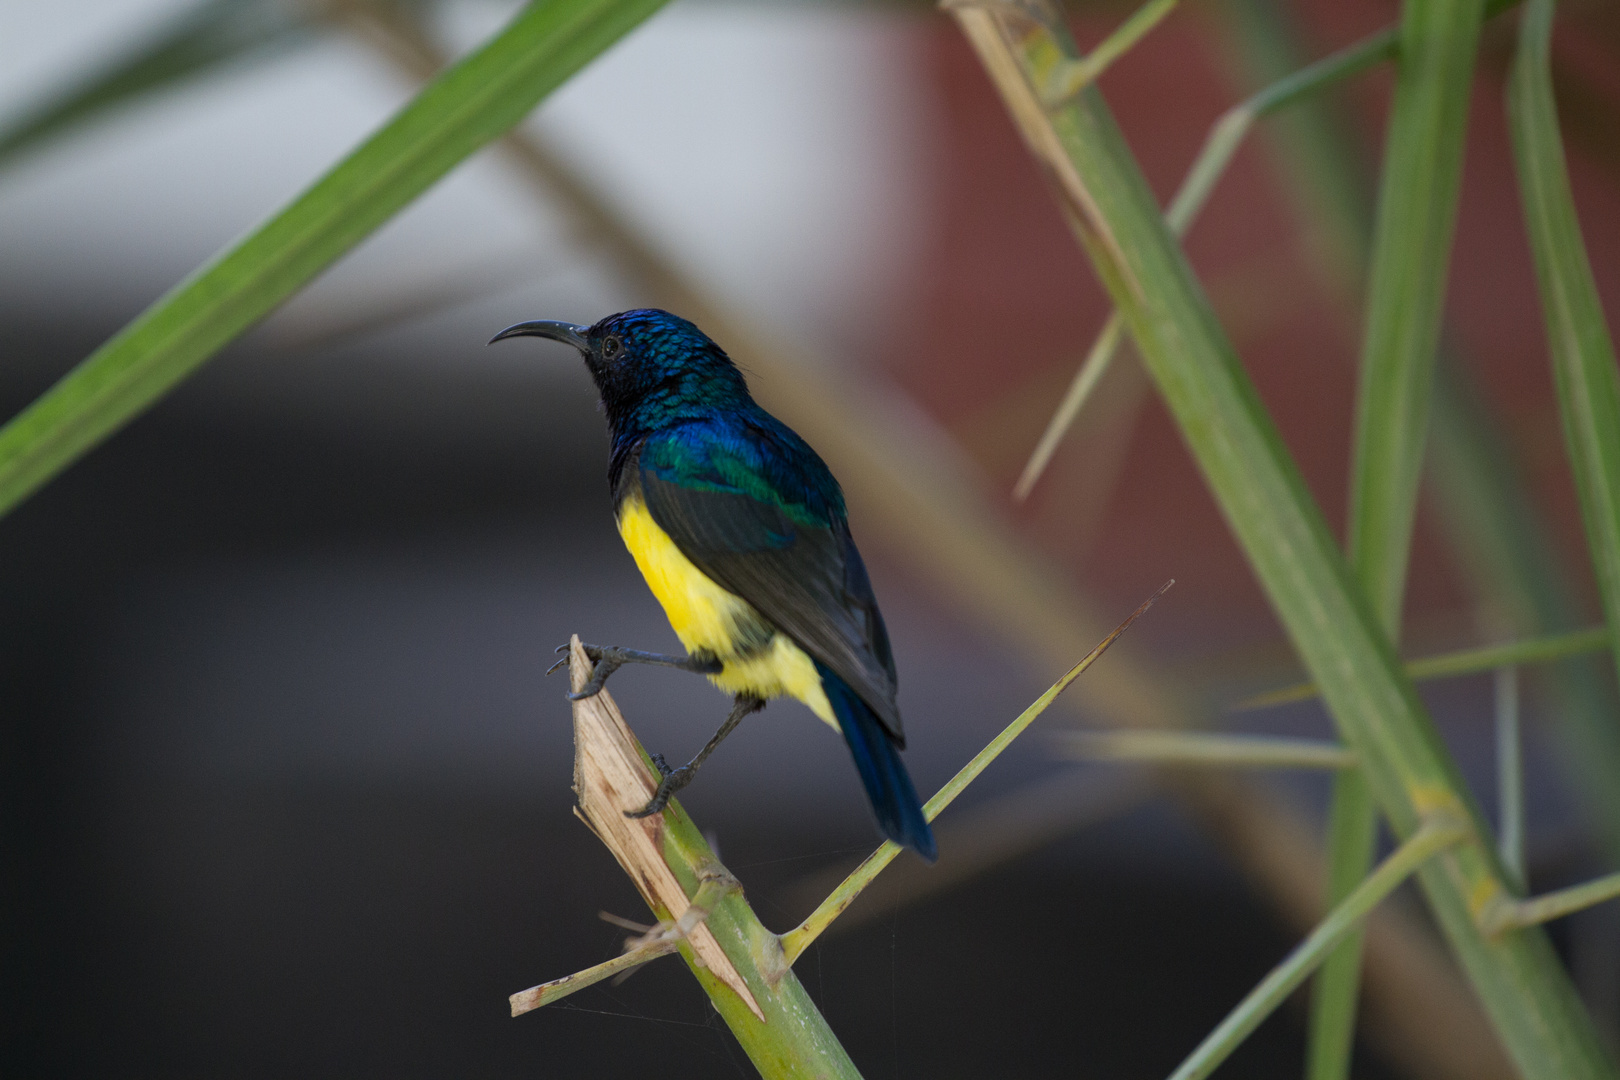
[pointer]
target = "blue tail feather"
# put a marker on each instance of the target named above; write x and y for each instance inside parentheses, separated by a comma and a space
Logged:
(894, 800)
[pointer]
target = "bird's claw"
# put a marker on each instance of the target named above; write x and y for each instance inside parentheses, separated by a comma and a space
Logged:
(597, 681)
(564, 652)
(606, 660)
(610, 658)
(673, 781)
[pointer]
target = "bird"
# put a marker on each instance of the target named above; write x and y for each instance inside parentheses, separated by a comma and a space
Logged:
(741, 532)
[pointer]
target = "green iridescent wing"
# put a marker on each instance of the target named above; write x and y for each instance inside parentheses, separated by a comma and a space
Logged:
(803, 575)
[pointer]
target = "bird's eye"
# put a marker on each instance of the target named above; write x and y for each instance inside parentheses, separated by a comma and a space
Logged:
(611, 347)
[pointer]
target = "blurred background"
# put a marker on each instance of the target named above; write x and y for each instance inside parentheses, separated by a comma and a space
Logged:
(285, 789)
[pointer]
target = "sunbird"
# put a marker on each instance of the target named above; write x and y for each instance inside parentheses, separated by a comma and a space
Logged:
(741, 532)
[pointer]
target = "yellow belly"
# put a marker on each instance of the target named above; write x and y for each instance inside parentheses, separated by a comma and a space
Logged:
(706, 617)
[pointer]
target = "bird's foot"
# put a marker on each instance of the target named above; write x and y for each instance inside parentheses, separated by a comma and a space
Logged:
(610, 658)
(605, 661)
(673, 781)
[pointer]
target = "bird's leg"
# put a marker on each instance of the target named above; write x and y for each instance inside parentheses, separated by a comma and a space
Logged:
(675, 779)
(610, 658)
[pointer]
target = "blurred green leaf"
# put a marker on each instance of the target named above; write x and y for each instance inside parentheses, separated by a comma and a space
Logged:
(1577, 335)
(1504, 543)
(1258, 486)
(1433, 837)
(1222, 142)
(1352, 837)
(1417, 212)
(1464, 662)
(465, 108)
(1494, 528)
(199, 41)
(1553, 905)
(1412, 231)
(795, 941)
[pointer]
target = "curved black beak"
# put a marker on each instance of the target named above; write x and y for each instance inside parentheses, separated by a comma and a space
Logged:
(566, 332)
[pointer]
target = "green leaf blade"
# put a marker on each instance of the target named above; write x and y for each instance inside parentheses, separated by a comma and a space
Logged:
(1352, 836)
(1417, 213)
(202, 40)
(467, 107)
(1583, 358)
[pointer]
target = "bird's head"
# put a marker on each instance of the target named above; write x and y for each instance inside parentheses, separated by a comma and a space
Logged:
(650, 367)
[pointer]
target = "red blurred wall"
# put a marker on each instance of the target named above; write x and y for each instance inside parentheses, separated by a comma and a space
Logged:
(1007, 304)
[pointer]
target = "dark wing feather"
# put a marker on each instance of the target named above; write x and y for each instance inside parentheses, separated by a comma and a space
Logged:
(807, 579)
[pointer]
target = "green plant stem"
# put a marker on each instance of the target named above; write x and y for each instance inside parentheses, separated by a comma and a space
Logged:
(537, 997)
(1074, 76)
(1322, 163)
(461, 111)
(1225, 136)
(1463, 662)
(1096, 364)
(1502, 540)
(1428, 840)
(1203, 748)
(559, 988)
(662, 940)
(1417, 212)
(1484, 506)
(1258, 486)
(795, 941)
(1411, 251)
(1583, 357)
(1509, 778)
(735, 959)
(1506, 914)
(1494, 527)
(793, 1040)
(1352, 835)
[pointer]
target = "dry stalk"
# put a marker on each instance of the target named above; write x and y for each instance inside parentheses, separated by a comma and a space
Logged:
(610, 778)
(737, 962)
